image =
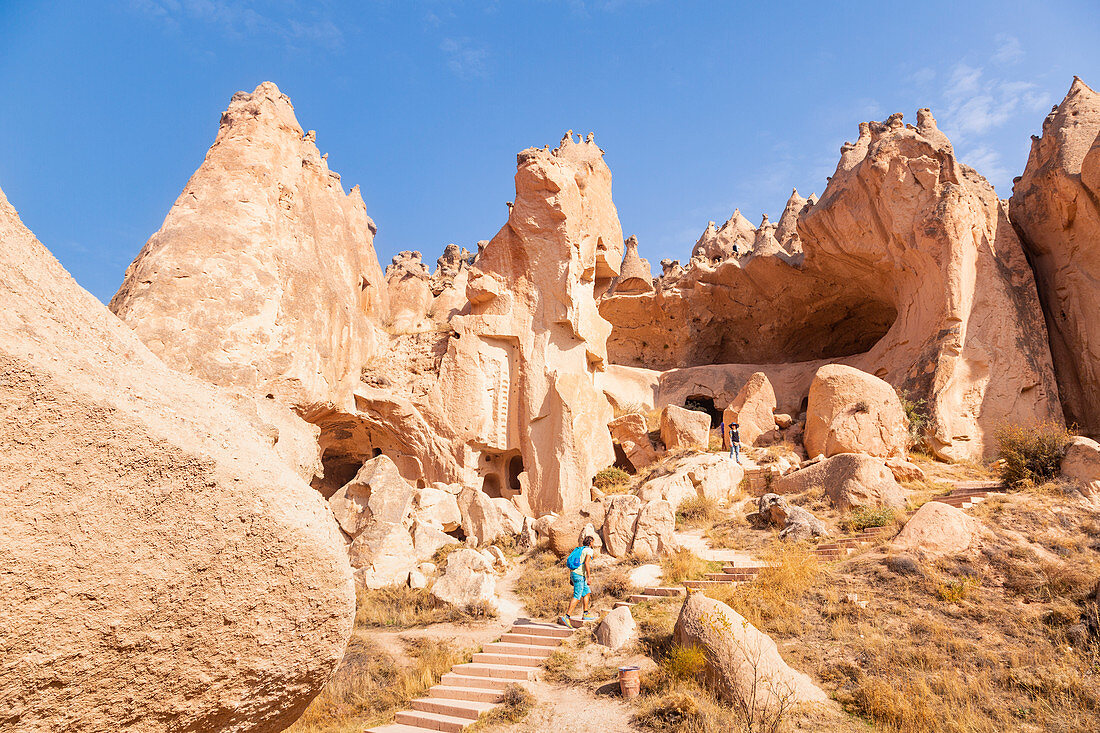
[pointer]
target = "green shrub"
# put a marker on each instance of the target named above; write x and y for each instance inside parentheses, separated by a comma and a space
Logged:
(917, 414)
(611, 480)
(1031, 454)
(864, 517)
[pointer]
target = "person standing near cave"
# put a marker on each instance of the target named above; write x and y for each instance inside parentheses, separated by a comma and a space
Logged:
(735, 442)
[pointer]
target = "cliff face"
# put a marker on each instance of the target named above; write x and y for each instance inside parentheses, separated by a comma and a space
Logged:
(263, 276)
(908, 270)
(164, 568)
(1055, 205)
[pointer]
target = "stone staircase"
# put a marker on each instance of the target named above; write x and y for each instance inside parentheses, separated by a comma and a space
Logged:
(968, 493)
(475, 687)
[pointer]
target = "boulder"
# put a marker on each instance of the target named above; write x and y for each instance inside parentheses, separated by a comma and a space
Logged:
(377, 493)
(795, 523)
(510, 515)
(437, 507)
(595, 511)
(527, 538)
(849, 480)
(163, 565)
(683, 428)
(468, 579)
(1081, 465)
(565, 533)
(417, 580)
(1055, 206)
(591, 532)
(617, 629)
(850, 411)
(631, 432)
(618, 527)
(938, 529)
(481, 517)
(709, 475)
(743, 664)
(427, 539)
(542, 526)
(653, 530)
(382, 554)
(905, 471)
(753, 409)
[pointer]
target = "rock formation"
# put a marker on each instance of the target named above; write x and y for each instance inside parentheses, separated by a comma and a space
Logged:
(1055, 206)
(849, 411)
(909, 271)
(164, 567)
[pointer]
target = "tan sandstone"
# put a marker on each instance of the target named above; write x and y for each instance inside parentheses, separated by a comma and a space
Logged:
(850, 411)
(681, 428)
(753, 409)
(849, 480)
(937, 530)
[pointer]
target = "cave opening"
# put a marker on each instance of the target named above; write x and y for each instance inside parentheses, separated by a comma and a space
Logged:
(704, 403)
(515, 468)
(491, 486)
(339, 469)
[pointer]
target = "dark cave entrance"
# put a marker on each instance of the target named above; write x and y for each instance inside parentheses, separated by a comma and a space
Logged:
(515, 468)
(705, 403)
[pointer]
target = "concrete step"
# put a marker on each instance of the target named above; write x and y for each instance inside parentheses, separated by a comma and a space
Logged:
(704, 584)
(642, 598)
(624, 604)
(432, 721)
(469, 709)
(476, 694)
(508, 660)
(663, 591)
(398, 728)
(454, 679)
(503, 671)
(523, 650)
(512, 637)
(534, 629)
(730, 577)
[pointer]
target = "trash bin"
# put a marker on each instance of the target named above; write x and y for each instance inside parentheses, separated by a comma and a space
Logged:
(630, 682)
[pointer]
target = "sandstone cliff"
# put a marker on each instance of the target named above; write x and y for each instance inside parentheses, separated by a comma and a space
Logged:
(161, 566)
(1056, 207)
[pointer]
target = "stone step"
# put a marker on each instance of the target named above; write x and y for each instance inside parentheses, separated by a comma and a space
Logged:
(642, 598)
(507, 660)
(512, 637)
(469, 709)
(702, 584)
(731, 577)
(988, 484)
(663, 591)
(454, 679)
(503, 671)
(623, 604)
(534, 629)
(522, 650)
(476, 694)
(749, 571)
(432, 721)
(398, 728)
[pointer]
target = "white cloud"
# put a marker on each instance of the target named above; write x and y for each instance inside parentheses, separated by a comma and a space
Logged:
(988, 162)
(923, 76)
(466, 59)
(1008, 49)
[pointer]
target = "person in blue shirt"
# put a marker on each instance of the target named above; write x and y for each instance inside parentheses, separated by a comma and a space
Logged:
(578, 576)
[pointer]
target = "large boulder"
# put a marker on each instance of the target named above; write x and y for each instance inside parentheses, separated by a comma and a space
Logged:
(618, 526)
(427, 539)
(938, 529)
(565, 533)
(163, 567)
(481, 518)
(617, 629)
(438, 508)
(631, 432)
(468, 579)
(753, 409)
(850, 411)
(377, 493)
(743, 664)
(707, 475)
(795, 523)
(683, 428)
(653, 530)
(849, 480)
(1055, 206)
(382, 554)
(1081, 465)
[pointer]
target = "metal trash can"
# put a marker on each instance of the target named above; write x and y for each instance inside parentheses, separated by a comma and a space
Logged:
(630, 682)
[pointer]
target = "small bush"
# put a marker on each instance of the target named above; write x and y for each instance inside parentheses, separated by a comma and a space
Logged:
(561, 666)
(917, 414)
(863, 517)
(671, 711)
(684, 663)
(683, 565)
(1031, 454)
(956, 591)
(616, 584)
(514, 706)
(698, 510)
(861, 406)
(611, 480)
(903, 565)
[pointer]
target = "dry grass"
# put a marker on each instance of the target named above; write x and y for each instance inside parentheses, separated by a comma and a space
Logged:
(698, 511)
(546, 590)
(773, 599)
(863, 517)
(516, 703)
(611, 480)
(1031, 454)
(370, 685)
(401, 607)
(684, 565)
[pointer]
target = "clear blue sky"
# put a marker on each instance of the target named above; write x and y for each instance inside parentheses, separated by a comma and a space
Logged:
(106, 108)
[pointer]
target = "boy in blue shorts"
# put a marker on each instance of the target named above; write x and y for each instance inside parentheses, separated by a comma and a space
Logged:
(577, 562)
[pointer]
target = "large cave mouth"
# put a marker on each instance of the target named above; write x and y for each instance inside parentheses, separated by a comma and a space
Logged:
(787, 328)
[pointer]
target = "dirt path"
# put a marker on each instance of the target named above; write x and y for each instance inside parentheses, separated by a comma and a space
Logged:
(566, 709)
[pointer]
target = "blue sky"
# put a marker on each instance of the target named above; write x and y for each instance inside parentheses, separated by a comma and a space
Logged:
(106, 108)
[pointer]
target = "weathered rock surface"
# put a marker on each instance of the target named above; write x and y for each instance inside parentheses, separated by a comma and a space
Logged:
(850, 411)
(617, 629)
(163, 568)
(795, 523)
(700, 475)
(481, 518)
(377, 493)
(618, 526)
(1081, 465)
(468, 579)
(938, 529)
(564, 532)
(631, 432)
(904, 470)
(753, 409)
(653, 530)
(438, 507)
(743, 664)
(1055, 205)
(681, 428)
(909, 271)
(849, 480)
(635, 275)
